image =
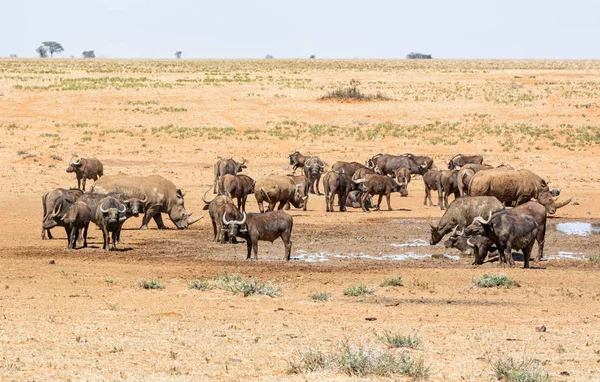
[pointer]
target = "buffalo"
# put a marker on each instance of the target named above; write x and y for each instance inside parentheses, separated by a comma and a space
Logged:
(509, 231)
(227, 218)
(349, 168)
(353, 199)
(336, 183)
(238, 186)
(297, 160)
(476, 246)
(461, 212)
(110, 216)
(432, 181)
(56, 197)
(227, 166)
(387, 164)
(76, 217)
(450, 185)
(459, 160)
(86, 168)
(464, 175)
(266, 227)
(213, 205)
(313, 168)
(375, 184)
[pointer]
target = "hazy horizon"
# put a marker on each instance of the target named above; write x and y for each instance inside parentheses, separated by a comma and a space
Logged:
(153, 29)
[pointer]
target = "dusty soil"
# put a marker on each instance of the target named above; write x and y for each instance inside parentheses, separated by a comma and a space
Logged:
(85, 317)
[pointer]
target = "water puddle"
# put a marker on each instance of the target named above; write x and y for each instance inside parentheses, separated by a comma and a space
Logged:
(578, 228)
(407, 221)
(302, 255)
(322, 256)
(567, 256)
(412, 243)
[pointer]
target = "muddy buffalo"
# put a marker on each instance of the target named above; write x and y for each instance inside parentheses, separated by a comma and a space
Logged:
(213, 205)
(86, 168)
(433, 182)
(449, 182)
(336, 183)
(375, 184)
(109, 217)
(387, 164)
(160, 194)
(76, 217)
(313, 168)
(461, 212)
(349, 168)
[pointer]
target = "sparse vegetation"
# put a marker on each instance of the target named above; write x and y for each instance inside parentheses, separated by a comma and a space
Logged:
(360, 361)
(351, 92)
(151, 284)
(526, 370)
(235, 284)
(357, 290)
(394, 281)
(399, 340)
(595, 258)
(495, 281)
(320, 296)
(199, 285)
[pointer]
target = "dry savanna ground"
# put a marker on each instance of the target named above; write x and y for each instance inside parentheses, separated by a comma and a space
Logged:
(84, 314)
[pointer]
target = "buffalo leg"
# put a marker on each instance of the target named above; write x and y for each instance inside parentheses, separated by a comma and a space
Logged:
(249, 248)
(114, 241)
(214, 225)
(215, 185)
(85, 232)
(244, 198)
(281, 205)
(83, 183)
(317, 184)
(527, 254)
(105, 239)
(288, 245)
(255, 249)
(387, 197)
(440, 198)
(271, 206)
(379, 198)
(363, 200)
(342, 199)
(79, 183)
(541, 238)
(261, 208)
(427, 196)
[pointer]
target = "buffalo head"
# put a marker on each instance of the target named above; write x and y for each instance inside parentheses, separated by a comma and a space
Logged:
(113, 215)
(233, 226)
(73, 166)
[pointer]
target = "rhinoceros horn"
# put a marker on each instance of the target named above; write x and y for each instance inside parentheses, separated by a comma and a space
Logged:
(192, 221)
(562, 204)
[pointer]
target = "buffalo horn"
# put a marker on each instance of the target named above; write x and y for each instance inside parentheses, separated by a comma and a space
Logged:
(124, 209)
(241, 222)
(454, 231)
(225, 220)
(103, 210)
(470, 244)
(359, 181)
(57, 209)
(145, 199)
(481, 220)
(204, 197)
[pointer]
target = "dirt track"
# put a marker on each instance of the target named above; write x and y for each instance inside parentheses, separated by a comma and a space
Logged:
(85, 317)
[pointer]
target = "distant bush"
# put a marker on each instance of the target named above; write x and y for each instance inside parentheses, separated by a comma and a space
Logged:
(526, 370)
(88, 54)
(418, 56)
(392, 281)
(320, 296)
(151, 284)
(357, 290)
(351, 92)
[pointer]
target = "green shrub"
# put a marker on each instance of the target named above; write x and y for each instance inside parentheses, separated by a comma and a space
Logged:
(320, 296)
(392, 281)
(399, 340)
(495, 281)
(526, 370)
(199, 285)
(357, 290)
(151, 284)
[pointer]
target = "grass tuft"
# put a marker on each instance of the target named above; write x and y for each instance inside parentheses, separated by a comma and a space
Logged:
(495, 281)
(235, 284)
(392, 281)
(199, 285)
(320, 296)
(352, 93)
(151, 284)
(399, 341)
(357, 290)
(594, 258)
(526, 370)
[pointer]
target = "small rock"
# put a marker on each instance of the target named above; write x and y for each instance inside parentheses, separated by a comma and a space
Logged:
(565, 373)
(541, 329)
(52, 262)
(575, 203)
(371, 318)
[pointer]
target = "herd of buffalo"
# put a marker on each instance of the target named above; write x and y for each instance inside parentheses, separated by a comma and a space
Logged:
(495, 209)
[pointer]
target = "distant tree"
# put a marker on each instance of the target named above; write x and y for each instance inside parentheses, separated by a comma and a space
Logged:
(269, 56)
(312, 56)
(53, 47)
(13, 55)
(178, 54)
(42, 51)
(418, 56)
(88, 54)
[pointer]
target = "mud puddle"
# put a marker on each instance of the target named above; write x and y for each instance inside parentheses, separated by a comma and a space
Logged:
(578, 228)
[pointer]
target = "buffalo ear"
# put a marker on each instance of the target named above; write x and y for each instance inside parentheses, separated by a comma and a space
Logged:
(179, 193)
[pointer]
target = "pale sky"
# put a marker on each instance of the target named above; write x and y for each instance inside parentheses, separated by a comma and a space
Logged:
(540, 29)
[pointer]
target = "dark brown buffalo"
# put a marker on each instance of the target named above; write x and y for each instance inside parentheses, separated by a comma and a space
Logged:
(336, 183)
(238, 186)
(76, 217)
(509, 231)
(227, 166)
(313, 168)
(403, 176)
(459, 160)
(349, 168)
(303, 188)
(267, 227)
(86, 168)
(362, 172)
(387, 164)
(58, 197)
(421, 160)
(375, 184)
(477, 246)
(461, 212)
(433, 181)
(297, 160)
(109, 217)
(213, 206)
(449, 182)
(538, 213)
(228, 218)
